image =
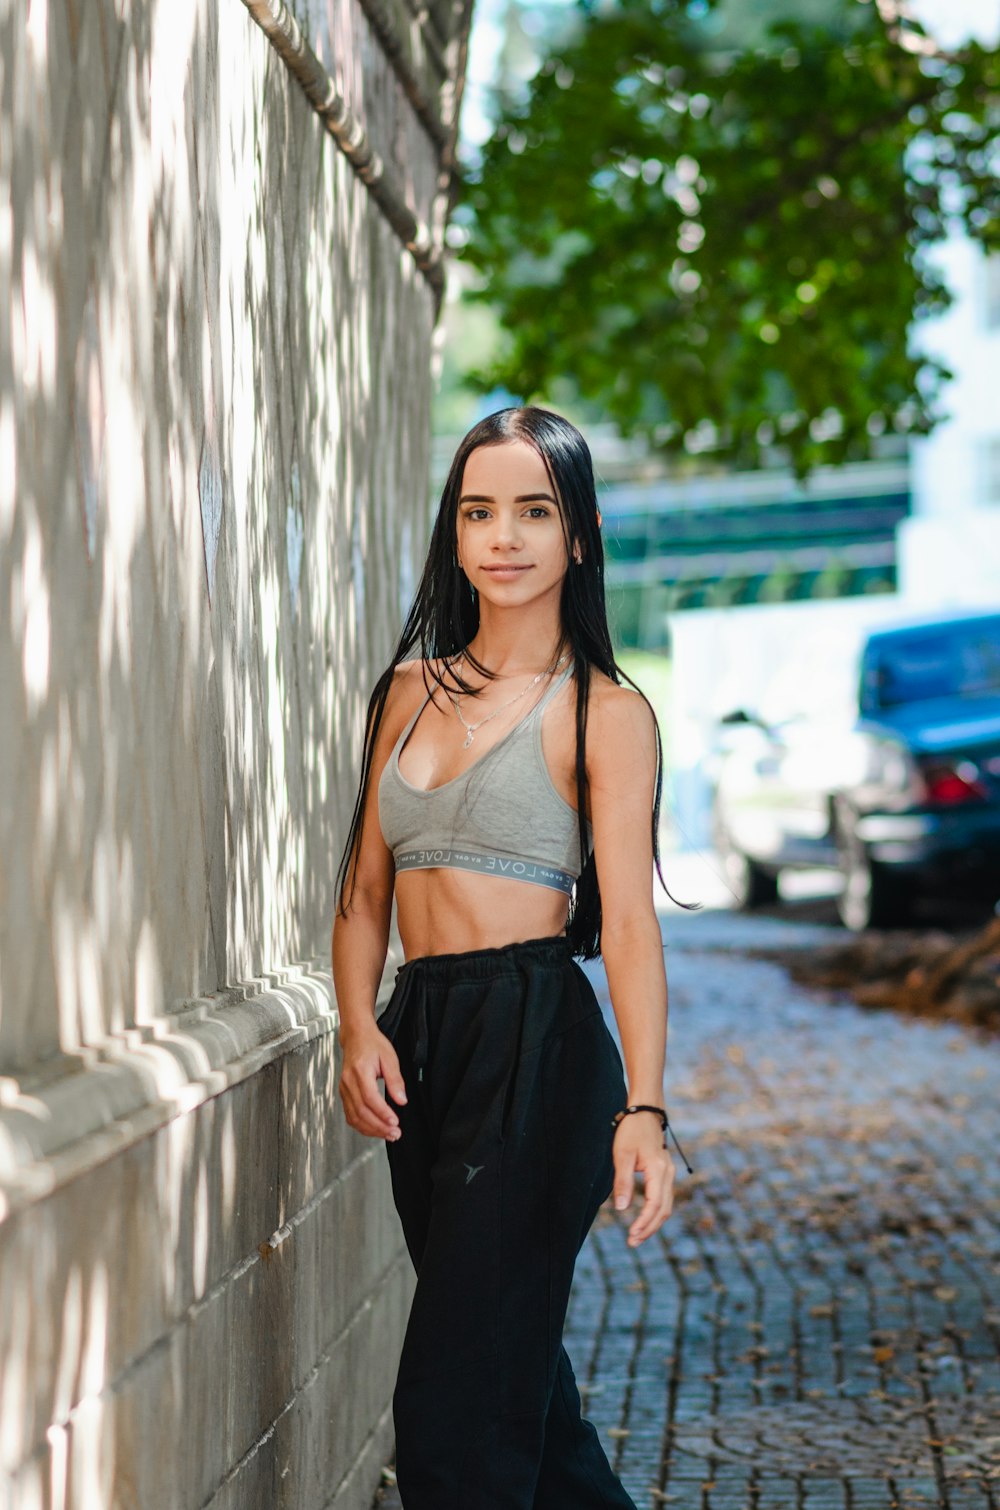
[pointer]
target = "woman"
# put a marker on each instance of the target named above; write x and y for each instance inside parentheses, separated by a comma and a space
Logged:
(509, 799)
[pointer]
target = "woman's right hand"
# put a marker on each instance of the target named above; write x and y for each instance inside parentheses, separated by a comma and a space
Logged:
(368, 1056)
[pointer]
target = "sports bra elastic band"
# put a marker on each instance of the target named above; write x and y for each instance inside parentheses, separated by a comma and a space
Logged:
(490, 865)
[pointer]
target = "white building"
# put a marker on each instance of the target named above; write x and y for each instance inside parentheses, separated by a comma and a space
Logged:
(949, 549)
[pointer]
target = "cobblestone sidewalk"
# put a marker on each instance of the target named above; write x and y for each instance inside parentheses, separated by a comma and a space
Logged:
(817, 1324)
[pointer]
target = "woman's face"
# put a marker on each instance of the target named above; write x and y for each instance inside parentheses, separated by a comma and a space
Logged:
(510, 531)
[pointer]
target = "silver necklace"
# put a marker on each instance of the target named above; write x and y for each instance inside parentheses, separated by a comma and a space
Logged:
(471, 729)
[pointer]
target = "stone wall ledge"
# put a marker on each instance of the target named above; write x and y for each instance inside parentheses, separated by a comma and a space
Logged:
(72, 1113)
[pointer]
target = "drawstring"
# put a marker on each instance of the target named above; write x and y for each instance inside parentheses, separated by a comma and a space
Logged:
(679, 1148)
(422, 1044)
(509, 1087)
(411, 984)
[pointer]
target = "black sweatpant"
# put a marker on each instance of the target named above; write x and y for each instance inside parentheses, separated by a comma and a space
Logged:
(512, 1078)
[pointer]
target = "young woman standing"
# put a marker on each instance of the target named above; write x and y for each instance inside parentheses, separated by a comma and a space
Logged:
(509, 799)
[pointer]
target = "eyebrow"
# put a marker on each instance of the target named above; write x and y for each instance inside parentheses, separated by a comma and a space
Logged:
(521, 498)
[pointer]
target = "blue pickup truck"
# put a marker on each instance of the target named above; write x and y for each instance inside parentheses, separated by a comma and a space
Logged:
(900, 791)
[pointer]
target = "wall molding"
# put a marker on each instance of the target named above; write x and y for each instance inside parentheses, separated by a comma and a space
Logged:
(65, 1118)
(285, 34)
(394, 22)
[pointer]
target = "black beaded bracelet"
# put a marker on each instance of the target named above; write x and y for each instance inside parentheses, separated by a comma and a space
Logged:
(664, 1123)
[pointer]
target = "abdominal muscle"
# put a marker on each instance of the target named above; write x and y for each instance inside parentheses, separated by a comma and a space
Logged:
(449, 911)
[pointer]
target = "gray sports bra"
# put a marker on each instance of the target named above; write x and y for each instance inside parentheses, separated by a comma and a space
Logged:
(501, 817)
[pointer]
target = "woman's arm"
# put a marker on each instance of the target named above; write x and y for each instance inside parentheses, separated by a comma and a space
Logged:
(621, 770)
(359, 947)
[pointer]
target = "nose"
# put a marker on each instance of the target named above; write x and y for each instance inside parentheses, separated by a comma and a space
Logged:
(506, 533)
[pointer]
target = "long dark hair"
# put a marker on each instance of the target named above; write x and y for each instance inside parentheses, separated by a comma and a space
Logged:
(444, 618)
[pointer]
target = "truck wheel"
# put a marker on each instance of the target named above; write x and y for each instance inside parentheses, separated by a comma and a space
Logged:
(871, 896)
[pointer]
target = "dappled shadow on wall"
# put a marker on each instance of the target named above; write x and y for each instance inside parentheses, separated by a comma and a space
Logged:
(205, 457)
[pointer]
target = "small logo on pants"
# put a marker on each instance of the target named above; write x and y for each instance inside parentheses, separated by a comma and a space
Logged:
(473, 1170)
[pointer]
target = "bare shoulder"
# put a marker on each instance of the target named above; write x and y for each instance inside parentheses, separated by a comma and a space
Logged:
(621, 727)
(612, 704)
(412, 677)
(406, 677)
(411, 682)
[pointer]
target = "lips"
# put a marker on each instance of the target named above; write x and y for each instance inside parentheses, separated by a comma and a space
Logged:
(504, 572)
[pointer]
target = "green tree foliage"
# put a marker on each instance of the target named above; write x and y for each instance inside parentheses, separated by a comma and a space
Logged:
(726, 250)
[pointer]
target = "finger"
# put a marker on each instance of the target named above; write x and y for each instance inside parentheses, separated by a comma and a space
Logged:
(624, 1172)
(376, 1105)
(359, 1117)
(361, 1120)
(371, 1130)
(372, 1112)
(649, 1217)
(363, 1082)
(648, 1222)
(394, 1083)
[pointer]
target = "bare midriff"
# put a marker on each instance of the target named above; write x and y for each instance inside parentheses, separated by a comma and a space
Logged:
(450, 911)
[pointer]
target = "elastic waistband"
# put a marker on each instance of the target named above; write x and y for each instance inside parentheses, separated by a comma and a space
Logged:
(480, 964)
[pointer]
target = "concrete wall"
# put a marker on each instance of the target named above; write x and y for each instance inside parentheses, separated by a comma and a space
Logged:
(217, 302)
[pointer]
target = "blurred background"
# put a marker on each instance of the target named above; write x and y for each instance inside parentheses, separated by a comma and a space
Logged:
(752, 249)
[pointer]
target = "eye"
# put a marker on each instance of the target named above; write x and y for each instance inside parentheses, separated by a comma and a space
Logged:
(476, 513)
(539, 510)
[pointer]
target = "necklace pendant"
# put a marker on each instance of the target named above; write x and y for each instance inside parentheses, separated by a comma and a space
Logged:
(468, 740)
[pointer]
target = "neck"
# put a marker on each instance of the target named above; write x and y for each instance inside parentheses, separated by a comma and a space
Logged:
(515, 642)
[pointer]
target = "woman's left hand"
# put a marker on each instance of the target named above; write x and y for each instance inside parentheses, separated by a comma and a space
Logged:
(638, 1149)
